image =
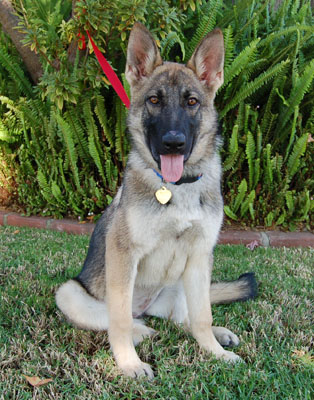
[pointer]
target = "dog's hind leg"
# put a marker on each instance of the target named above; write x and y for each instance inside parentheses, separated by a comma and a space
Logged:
(225, 337)
(141, 331)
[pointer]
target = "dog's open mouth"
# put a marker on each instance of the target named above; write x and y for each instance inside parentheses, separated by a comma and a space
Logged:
(171, 167)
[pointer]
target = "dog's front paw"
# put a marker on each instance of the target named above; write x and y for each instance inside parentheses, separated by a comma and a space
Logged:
(137, 370)
(230, 357)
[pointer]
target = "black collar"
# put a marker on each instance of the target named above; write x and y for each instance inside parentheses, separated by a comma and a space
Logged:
(188, 179)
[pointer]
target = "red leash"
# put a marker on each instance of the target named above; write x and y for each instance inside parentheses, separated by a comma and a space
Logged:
(110, 74)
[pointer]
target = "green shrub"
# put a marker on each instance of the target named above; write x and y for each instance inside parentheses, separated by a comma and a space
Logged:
(68, 133)
(267, 107)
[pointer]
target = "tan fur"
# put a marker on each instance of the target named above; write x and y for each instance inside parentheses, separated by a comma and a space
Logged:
(151, 259)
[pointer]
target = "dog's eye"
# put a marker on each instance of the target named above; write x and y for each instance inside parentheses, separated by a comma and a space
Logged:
(154, 99)
(192, 101)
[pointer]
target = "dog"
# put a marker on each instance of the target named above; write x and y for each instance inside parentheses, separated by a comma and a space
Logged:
(151, 252)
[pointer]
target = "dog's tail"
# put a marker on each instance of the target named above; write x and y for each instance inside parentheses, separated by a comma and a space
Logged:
(80, 308)
(244, 288)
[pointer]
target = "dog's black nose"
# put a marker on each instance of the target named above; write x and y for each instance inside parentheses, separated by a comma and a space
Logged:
(173, 142)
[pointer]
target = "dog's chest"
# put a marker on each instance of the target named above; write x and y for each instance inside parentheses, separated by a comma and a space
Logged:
(154, 225)
(165, 239)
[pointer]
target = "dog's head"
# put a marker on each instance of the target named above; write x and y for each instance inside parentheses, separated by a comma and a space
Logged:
(172, 118)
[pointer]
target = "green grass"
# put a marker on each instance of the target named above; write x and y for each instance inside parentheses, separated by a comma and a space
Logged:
(35, 340)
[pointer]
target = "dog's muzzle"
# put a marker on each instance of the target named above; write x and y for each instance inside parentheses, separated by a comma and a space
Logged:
(173, 142)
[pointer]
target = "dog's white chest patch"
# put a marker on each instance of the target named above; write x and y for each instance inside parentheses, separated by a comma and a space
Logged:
(164, 237)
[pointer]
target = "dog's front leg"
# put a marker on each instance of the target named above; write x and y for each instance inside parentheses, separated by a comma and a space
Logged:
(196, 280)
(120, 278)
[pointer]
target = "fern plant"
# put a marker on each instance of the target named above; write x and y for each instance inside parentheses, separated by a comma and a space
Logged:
(67, 137)
(207, 22)
(266, 107)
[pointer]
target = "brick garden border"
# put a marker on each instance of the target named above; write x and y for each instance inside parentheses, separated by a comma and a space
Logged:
(227, 236)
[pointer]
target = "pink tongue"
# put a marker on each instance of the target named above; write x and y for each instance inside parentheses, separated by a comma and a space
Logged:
(171, 167)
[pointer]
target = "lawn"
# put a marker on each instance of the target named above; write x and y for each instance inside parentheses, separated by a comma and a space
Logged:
(276, 330)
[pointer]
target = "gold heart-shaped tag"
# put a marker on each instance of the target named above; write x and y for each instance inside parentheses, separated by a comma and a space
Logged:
(163, 195)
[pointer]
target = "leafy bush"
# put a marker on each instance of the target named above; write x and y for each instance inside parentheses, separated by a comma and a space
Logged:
(68, 133)
(267, 107)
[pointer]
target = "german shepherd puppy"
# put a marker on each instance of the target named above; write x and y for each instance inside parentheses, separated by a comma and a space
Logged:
(151, 252)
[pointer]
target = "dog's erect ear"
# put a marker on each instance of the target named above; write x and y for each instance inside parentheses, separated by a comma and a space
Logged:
(207, 60)
(143, 55)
